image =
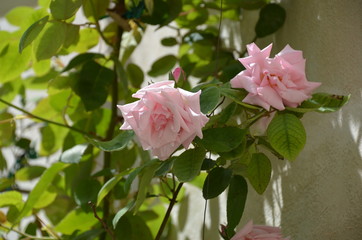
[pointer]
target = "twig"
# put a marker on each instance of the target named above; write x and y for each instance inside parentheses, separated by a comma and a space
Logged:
(168, 213)
(98, 27)
(45, 120)
(25, 234)
(104, 224)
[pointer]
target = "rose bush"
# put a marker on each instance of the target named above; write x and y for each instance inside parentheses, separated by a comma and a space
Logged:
(164, 118)
(253, 232)
(275, 82)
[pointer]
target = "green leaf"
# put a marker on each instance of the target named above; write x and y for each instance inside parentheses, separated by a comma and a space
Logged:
(121, 212)
(95, 9)
(323, 103)
(145, 180)
(86, 191)
(18, 15)
(135, 75)
(271, 18)
(116, 144)
(72, 35)
(43, 184)
(227, 113)
(287, 135)
(259, 172)
(10, 198)
(81, 59)
(64, 9)
(7, 129)
(135, 172)
(236, 199)
(222, 139)
(132, 227)
(74, 154)
(209, 99)
(237, 96)
(169, 41)
(92, 85)
(12, 63)
(90, 235)
(50, 40)
(29, 173)
(88, 38)
(162, 66)
(32, 32)
(47, 197)
(188, 165)
(216, 182)
(110, 184)
(3, 162)
(77, 220)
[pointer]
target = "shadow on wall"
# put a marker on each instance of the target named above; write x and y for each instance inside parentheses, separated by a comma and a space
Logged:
(319, 195)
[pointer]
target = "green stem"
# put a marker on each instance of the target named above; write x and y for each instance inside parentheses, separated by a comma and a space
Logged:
(45, 120)
(168, 213)
(113, 123)
(25, 234)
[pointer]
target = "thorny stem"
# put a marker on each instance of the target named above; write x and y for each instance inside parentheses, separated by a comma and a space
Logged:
(25, 234)
(168, 213)
(45, 120)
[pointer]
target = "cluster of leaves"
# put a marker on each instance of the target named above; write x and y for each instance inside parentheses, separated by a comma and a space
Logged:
(87, 193)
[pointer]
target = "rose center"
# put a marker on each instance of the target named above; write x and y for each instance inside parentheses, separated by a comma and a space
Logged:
(160, 118)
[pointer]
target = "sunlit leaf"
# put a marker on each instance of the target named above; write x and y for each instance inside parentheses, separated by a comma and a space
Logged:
(64, 9)
(77, 220)
(29, 173)
(44, 182)
(50, 40)
(121, 212)
(12, 62)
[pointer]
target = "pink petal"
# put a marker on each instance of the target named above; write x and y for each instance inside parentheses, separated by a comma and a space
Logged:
(270, 96)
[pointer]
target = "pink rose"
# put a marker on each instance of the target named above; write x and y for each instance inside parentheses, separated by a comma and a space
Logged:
(276, 82)
(164, 118)
(257, 232)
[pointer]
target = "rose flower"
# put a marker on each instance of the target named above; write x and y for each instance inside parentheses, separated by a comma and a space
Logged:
(276, 82)
(258, 232)
(164, 118)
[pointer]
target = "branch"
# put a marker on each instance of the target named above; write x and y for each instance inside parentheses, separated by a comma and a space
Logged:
(45, 120)
(104, 224)
(25, 234)
(168, 213)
